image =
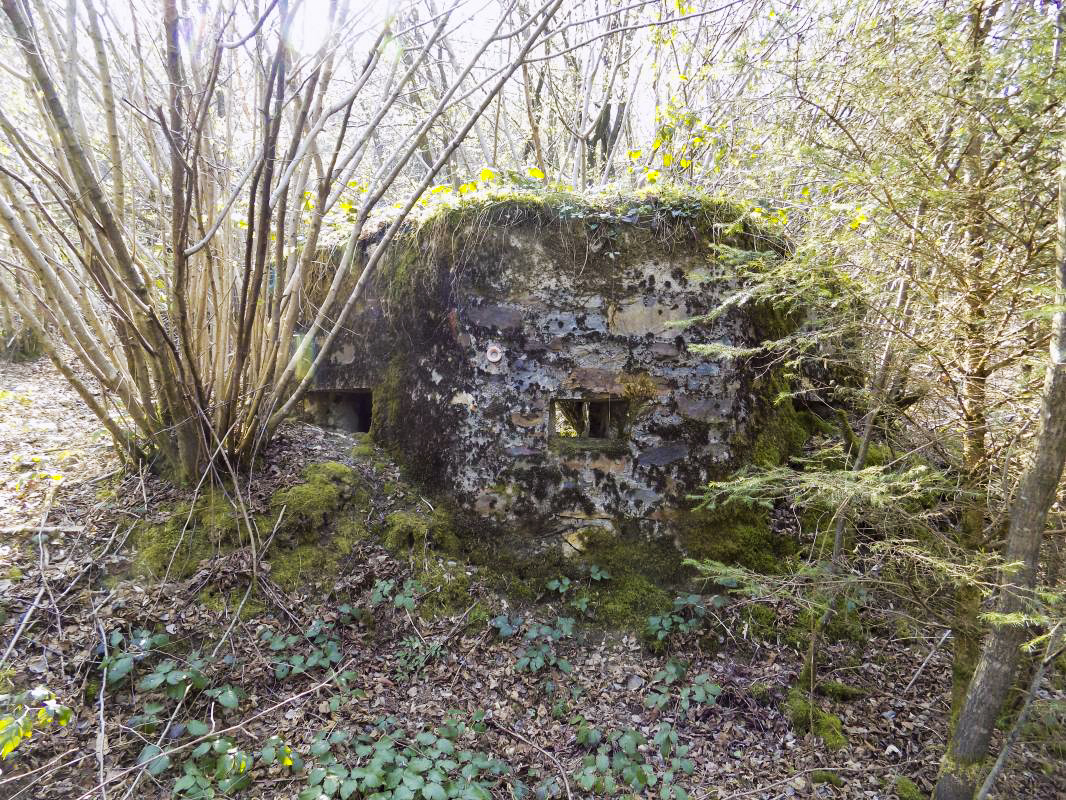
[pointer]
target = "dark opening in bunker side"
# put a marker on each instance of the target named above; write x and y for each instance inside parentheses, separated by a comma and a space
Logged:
(349, 411)
(603, 418)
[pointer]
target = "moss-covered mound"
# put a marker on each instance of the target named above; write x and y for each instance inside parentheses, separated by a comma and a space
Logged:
(589, 232)
(320, 520)
(326, 488)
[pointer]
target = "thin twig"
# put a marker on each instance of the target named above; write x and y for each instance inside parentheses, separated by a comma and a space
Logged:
(936, 647)
(542, 751)
(44, 582)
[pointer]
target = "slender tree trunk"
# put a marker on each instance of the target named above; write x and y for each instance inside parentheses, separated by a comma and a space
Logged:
(965, 762)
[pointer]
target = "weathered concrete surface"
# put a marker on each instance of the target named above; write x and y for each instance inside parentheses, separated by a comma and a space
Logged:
(468, 361)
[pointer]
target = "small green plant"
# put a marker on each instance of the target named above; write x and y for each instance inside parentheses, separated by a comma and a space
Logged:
(217, 765)
(580, 602)
(317, 648)
(406, 597)
(21, 714)
(686, 616)
(506, 626)
(175, 680)
(587, 736)
(561, 585)
(540, 647)
(392, 762)
(381, 591)
(617, 764)
(598, 574)
(701, 692)
(414, 654)
(124, 655)
(660, 693)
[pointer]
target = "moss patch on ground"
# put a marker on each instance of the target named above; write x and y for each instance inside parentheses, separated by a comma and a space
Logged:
(734, 534)
(447, 590)
(906, 789)
(294, 567)
(411, 531)
(806, 717)
(323, 520)
(214, 600)
(179, 543)
(326, 488)
(827, 776)
(761, 621)
(640, 570)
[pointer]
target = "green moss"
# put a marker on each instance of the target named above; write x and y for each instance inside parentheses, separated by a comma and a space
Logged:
(302, 565)
(877, 455)
(808, 718)
(409, 531)
(14, 574)
(844, 625)
(761, 621)
(629, 600)
(827, 776)
(781, 430)
(348, 530)
(521, 576)
(640, 570)
(478, 618)
(906, 789)
(363, 451)
(839, 691)
(760, 693)
(1058, 673)
(216, 515)
(447, 588)
(834, 690)
(180, 538)
(213, 600)
(734, 534)
(327, 487)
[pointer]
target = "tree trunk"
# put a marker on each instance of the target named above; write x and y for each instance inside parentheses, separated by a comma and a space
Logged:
(964, 764)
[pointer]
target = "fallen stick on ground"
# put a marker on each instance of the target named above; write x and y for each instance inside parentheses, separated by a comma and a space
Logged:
(541, 750)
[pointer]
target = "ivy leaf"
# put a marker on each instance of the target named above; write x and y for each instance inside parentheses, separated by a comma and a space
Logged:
(197, 728)
(149, 682)
(434, 791)
(150, 755)
(119, 669)
(228, 698)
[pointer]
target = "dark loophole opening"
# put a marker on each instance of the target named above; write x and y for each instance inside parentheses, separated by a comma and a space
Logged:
(591, 419)
(350, 411)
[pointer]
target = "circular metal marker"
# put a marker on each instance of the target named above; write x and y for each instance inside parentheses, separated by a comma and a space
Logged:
(494, 353)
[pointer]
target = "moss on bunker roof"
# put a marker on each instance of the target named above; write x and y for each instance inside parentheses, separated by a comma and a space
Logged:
(671, 215)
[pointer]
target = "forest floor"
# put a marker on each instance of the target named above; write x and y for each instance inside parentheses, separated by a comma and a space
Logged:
(360, 660)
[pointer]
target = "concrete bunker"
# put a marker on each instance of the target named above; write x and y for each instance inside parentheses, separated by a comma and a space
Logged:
(560, 371)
